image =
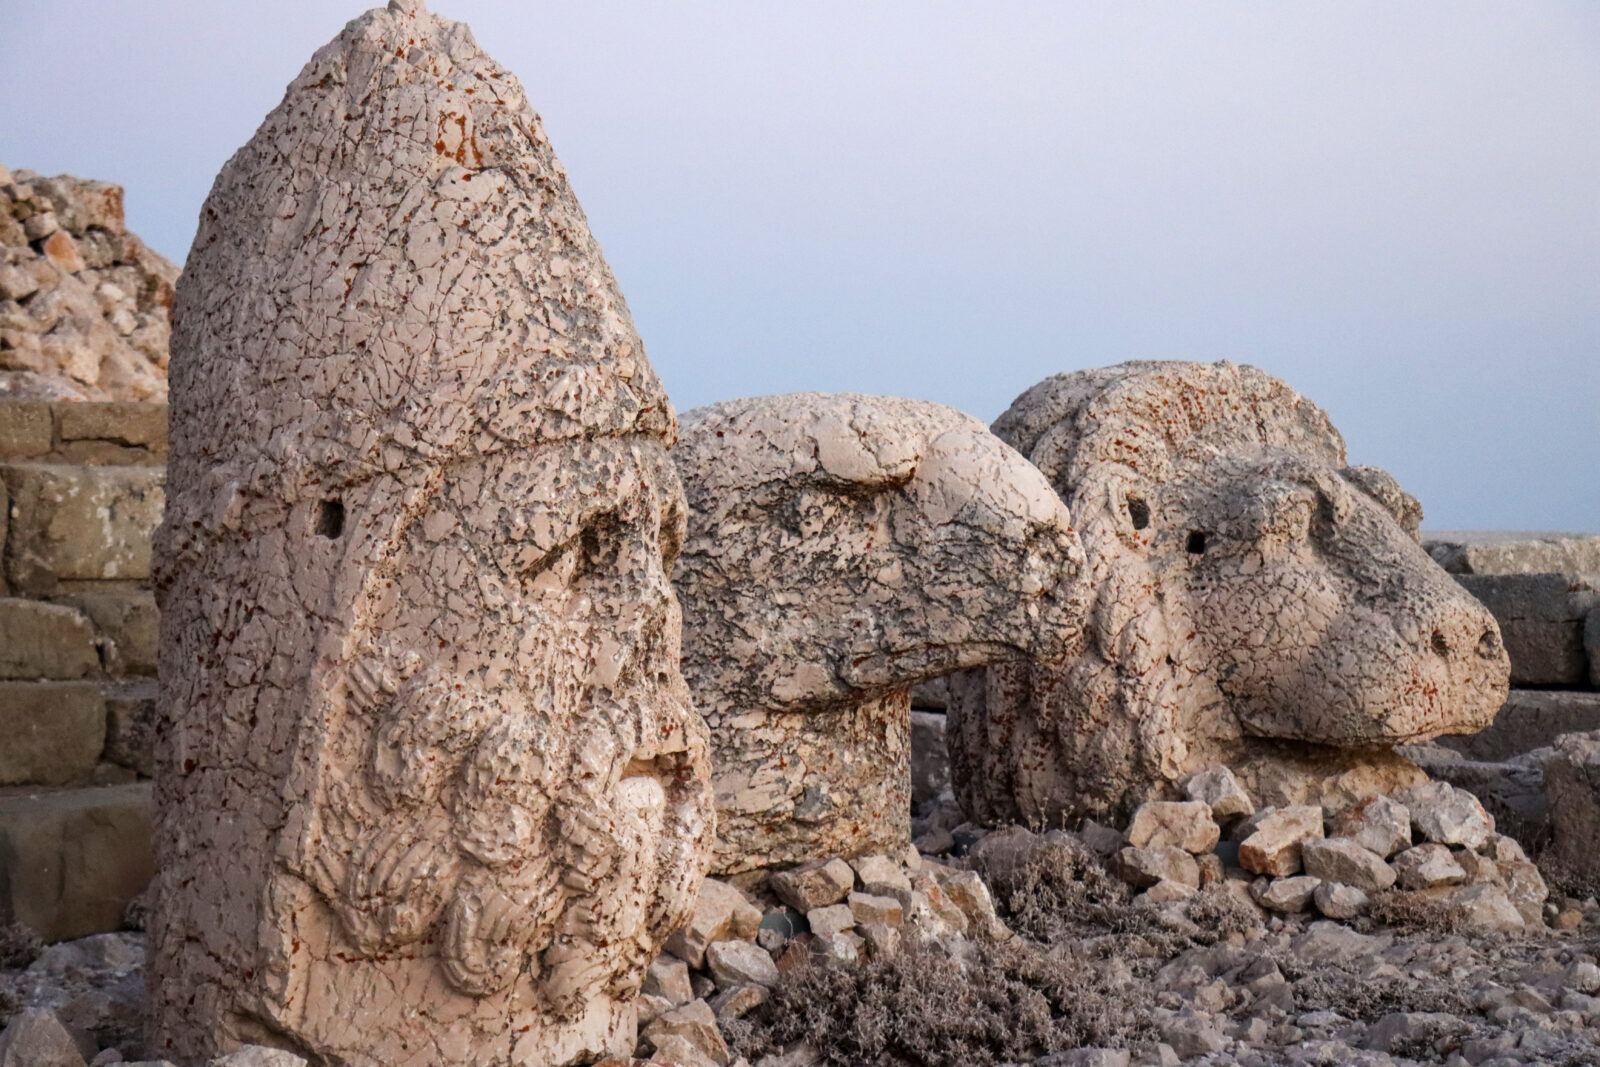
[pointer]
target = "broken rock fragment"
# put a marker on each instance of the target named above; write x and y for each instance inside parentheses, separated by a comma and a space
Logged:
(1378, 823)
(1217, 787)
(1287, 895)
(1447, 815)
(1428, 866)
(1273, 847)
(1339, 859)
(1182, 824)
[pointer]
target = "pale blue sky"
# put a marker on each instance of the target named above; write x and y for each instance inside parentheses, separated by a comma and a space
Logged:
(1395, 206)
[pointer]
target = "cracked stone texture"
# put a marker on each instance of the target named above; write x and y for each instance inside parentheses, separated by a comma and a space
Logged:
(1259, 603)
(430, 786)
(841, 549)
(84, 304)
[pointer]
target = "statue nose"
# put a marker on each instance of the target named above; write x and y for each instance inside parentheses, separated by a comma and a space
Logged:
(1467, 632)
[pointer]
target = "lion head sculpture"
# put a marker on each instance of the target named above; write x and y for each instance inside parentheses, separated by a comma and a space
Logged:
(1257, 602)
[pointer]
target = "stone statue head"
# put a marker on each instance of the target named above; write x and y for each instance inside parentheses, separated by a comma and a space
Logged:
(842, 548)
(430, 786)
(1257, 601)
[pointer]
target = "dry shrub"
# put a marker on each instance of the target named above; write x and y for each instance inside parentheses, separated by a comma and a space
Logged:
(1412, 910)
(1218, 913)
(1060, 890)
(1007, 1002)
(1565, 880)
(1369, 999)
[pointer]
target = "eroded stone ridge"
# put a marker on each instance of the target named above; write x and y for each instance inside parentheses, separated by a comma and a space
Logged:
(84, 304)
(842, 548)
(431, 790)
(1259, 603)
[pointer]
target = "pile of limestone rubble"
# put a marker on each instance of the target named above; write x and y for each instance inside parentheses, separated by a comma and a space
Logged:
(84, 304)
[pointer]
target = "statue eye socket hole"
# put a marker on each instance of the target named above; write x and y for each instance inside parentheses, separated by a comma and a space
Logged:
(600, 544)
(330, 518)
(1139, 512)
(1196, 544)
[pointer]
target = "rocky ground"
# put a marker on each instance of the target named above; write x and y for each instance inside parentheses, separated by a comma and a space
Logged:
(1010, 947)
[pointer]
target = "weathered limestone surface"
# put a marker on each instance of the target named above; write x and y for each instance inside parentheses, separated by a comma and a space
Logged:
(74, 857)
(1259, 603)
(430, 788)
(841, 549)
(84, 304)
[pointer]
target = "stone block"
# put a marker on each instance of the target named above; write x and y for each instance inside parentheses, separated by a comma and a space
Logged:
(668, 978)
(1339, 901)
(1541, 619)
(129, 623)
(1572, 789)
(70, 861)
(735, 963)
(1530, 719)
(25, 429)
(80, 524)
(36, 1038)
(830, 919)
(131, 727)
(1514, 552)
(41, 641)
(132, 424)
(54, 732)
(1485, 906)
(1511, 791)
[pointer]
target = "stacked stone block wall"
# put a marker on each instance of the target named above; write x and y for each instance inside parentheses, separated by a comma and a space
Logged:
(81, 493)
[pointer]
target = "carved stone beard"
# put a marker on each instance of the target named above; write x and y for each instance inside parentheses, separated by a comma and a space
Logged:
(513, 779)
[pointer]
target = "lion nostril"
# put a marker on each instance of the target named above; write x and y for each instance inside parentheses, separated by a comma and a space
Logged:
(1489, 644)
(1440, 645)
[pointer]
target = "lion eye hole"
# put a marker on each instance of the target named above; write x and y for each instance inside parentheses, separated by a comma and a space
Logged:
(1197, 543)
(1139, 512)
